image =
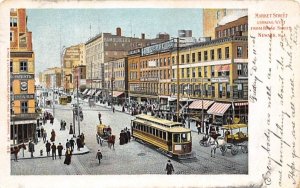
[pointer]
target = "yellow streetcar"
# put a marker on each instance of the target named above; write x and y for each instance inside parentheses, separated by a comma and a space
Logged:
(63, 100)
(172, 138)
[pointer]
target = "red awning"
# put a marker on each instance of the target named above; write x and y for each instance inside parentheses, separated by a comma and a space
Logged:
(218, 109)
(198, 104)
(220, 68)
(117, 93)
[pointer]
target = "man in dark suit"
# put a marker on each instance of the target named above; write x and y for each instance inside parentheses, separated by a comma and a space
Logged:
(59, 149)
(31, 148)
(53, 149)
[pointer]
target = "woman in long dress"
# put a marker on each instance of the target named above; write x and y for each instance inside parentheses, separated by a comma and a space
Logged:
(68, 157)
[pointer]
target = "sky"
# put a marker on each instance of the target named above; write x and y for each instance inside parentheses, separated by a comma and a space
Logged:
(54, 28)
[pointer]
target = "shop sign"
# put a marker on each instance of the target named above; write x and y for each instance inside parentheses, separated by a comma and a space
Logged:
(24, 85)
(22, 76)
(220, 79)
(158, 48)
(23, 96)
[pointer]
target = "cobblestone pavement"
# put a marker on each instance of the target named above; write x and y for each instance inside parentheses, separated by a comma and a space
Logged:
(131, 158)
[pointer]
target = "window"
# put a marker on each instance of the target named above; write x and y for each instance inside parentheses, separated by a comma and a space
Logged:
(226, 52)
(188, 72)
(228, 90)
(239, 51)
(199, 72)
(205, 71)
(173, 60)
(199, 56)
(193, 73)
(220, 90)
(11, 67)
(173, 73)
(212, 54)
(182, 59)
(176, 138)
(182, 73)
(242, 69)
(193, 57)
(165, 61)
(13, 22)
(240, 91)
(212, 71)
(24, 107)
(169, 60)
(11, 36)
(187, 58)
(213, 91)
(225, 33)
(219, 53)
(23, 66)
(205, 55)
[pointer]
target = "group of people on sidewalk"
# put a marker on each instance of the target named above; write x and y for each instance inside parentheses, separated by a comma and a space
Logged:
(125, 136)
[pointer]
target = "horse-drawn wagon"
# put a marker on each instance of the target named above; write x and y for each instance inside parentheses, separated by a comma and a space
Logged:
(104, 134)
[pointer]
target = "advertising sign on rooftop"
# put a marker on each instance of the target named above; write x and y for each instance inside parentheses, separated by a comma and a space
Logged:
(157, 48)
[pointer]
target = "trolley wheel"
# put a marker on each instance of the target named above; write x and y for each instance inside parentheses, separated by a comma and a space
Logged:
(234, 150)
(244, 149)
(223, 149)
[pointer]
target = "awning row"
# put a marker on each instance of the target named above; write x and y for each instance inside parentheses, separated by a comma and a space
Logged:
(91, 92)
(215, 108)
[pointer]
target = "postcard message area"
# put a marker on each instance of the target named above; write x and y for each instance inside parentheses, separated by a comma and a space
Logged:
(274, 44)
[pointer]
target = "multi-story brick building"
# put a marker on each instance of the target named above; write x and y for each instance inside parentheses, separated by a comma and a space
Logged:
(52, 78)
(149, 71)
(73, 56)
(106, 47)
(116, 79)
(22, 79)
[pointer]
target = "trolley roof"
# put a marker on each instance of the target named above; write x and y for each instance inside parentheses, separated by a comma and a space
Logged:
(154, 124)
(163, 122)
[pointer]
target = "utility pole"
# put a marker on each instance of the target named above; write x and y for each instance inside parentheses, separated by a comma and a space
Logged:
(177, 59)
(78, 120)
(112, 83)
(202, 115)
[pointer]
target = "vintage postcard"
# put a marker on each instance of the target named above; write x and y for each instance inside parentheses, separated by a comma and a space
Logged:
(149, 94)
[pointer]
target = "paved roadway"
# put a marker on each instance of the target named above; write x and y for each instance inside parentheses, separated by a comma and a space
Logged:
(131, 158)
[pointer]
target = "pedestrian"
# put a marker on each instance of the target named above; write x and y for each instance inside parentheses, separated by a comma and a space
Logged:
(72, 142)
(99, 155)
(44, 136)
(42, 131)
(31, 148)
(78, 142)
(99, 117)
(48, 147)
(169, 168)
(82, 139)
(53, 149)
(198, 127)
(52, 139)
(68, 144)
(38, 132)
(59, 150)
(15, 152)
(51, 119)
(113, 108)
(206, 127)
(68, 155)
(128, 135)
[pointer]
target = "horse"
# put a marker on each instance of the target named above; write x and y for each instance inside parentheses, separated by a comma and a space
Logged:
(15, 150)
(217, 142)
(111, 141)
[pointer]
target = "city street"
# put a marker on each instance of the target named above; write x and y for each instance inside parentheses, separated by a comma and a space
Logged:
(131, 158)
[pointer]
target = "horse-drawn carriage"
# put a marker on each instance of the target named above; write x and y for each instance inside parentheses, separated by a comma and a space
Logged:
(231, 139)
(104, 133)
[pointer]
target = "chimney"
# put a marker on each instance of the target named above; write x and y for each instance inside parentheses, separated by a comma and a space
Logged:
(143, 36)
(118, 31)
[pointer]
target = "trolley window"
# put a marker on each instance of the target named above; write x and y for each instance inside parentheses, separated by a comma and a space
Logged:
(176, 138)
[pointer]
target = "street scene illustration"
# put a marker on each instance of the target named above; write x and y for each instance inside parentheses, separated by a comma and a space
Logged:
(128, 91)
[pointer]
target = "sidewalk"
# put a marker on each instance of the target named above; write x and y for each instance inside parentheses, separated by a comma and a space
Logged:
(61, 137)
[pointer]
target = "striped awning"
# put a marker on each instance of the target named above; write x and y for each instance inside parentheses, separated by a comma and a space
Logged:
(98, 93)
(85, 91)
(198, 104)
(117, 93)
(218, 109)
(92, 92)
(220, 68)
(241, 104)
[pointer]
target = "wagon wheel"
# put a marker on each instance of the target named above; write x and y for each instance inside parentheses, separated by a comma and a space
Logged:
(234, 150)
(223, 149)
(244, 148)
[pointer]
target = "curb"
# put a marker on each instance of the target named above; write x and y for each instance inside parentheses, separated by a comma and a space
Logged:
(38, 157)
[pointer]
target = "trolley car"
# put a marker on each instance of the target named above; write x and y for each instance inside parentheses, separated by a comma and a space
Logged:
(172, 138)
